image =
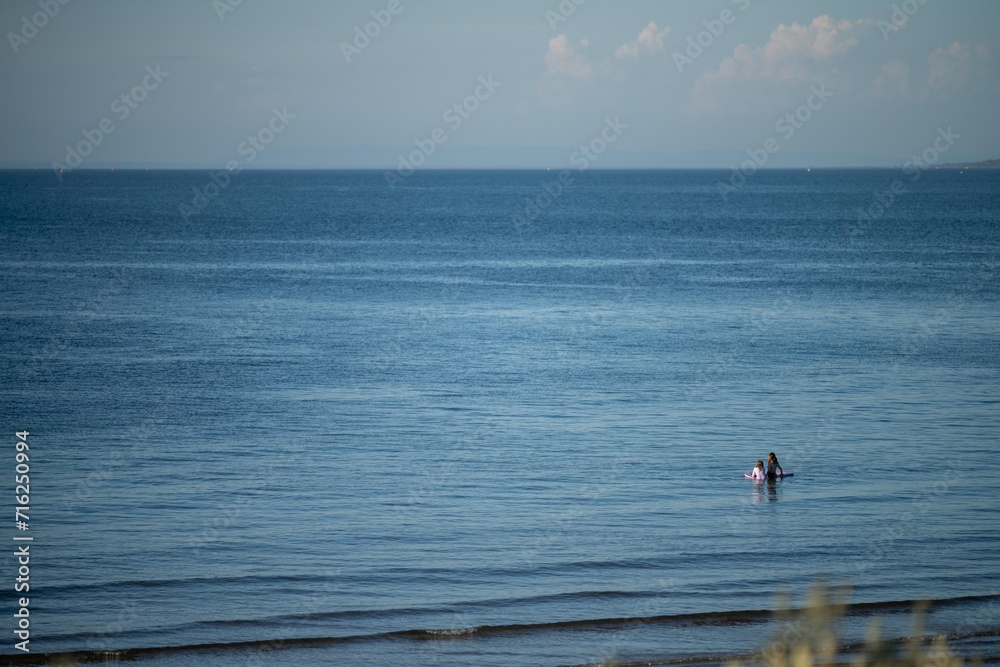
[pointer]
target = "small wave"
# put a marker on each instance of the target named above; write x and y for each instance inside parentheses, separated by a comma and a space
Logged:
(173, 583)
(720, 618)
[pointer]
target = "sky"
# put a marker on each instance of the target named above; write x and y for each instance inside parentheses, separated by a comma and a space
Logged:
(497, 83)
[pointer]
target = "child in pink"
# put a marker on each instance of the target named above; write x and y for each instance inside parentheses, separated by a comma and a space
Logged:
(758, 472)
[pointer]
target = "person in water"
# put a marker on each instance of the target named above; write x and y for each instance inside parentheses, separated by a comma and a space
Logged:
(758, 472)
(773, 466)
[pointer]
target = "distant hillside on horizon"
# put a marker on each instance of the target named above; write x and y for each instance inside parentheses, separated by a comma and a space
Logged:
(985, 164)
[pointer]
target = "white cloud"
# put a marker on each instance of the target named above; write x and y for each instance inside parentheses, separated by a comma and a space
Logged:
(793, 54)
(650, 39)
(567, 70)
(822, 39)
(949, 68)
(958, 66)
(563, 58)
(893, 79)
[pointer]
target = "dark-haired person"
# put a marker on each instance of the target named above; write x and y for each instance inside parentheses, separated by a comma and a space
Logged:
(773, 466)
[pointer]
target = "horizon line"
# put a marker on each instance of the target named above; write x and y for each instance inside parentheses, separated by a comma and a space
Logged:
(957, 165)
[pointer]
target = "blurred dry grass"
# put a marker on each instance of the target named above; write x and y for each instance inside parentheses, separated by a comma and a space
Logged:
(809, 638)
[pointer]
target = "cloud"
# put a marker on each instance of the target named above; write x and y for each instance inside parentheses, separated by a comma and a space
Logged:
(893, 79)
(650, 39)
(793, 55)
(951, 68)
(948, 67)
(792, 52)
(822, 39)
(563, 58)
(567, 68)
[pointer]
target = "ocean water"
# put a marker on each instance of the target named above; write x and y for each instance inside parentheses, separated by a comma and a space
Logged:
(329, 422)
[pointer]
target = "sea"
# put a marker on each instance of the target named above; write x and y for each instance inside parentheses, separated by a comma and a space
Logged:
(496, 418)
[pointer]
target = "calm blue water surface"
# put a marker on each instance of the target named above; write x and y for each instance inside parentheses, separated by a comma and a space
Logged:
(324, 408)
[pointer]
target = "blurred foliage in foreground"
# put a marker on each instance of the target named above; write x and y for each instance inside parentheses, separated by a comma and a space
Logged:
(810, 638)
